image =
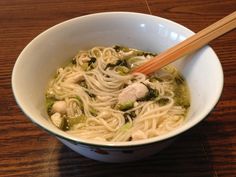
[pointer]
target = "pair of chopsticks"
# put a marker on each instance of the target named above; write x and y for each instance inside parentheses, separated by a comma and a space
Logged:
(189, 45)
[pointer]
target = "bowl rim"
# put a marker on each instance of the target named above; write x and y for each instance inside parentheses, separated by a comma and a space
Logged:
(75, 140)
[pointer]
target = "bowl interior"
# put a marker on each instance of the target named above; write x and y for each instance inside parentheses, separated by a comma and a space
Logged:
(54, 47)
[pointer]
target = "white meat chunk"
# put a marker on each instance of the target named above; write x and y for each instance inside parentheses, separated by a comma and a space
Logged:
(133, 92)
(59, 106)
(57, 119)
(138, 135)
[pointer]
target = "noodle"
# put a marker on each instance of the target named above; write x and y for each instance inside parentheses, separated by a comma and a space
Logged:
(96, 97)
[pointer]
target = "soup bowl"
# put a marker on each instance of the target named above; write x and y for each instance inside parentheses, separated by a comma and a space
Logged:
(52, 49)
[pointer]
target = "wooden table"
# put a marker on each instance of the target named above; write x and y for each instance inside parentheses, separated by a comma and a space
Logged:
(209, 149)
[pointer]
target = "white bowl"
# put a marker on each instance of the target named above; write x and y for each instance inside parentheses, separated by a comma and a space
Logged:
(52, 48)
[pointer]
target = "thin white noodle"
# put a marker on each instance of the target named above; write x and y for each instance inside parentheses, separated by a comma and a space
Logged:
(103, 120)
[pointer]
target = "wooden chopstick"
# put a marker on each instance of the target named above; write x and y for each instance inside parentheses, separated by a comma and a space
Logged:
(189, 45)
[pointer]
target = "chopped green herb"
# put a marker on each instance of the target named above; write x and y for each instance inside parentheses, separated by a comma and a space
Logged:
(179, 79)
(91, 94)
(76, 120)
(138, 53)
(82, 118)
(122, 70)
(117, 48)
(126, 106)
(78, 98)
(181, 96)
(91, 63)
(63, 125)
(121, 48)
(49, 103)
(80, 103)
(118, 63)
(132, 60)
(163, 101)
(154, 79)
(142, 53)
(93, 111)
(131, 115)
(186, 104)
(126, 126)
(92, 60)
(151, 95)
(149, 53)
(83, 84)
(85, 66)
(73, 121)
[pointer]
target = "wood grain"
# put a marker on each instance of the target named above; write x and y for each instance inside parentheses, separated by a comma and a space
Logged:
(220, 127)
(25, 150)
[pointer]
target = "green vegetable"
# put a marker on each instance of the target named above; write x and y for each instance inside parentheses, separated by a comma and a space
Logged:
(149, 53)
(92, 60)
(91, 94)
(154, 79)
(181, 96)
(118, 63)
(49, 103)
(68, 123)
(126, 126)
(131, 115)
(82, 118)
(151, 95)
(121, 48)
(73, 121)
(133, 60)
(80, 103)
(126, 106)
(60, 122)
(162, 101)
(78, 98)
(142, 53)
(93, 111)
(83, 84)
(138, 53)
(64, 125)
(122, 70)
(179, 79)
(91, 63)
(135, 52)
(184, 102)
(85, 66)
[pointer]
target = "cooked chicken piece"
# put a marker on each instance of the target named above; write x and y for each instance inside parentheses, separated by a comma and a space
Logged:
(59, 106)
(57, 119)
(132, 92)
